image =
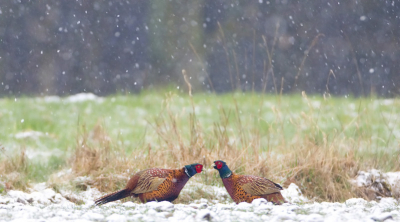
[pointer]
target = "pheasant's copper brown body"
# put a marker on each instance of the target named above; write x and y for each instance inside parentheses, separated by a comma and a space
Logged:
(154, 184)
(247, 188)
(244, 188)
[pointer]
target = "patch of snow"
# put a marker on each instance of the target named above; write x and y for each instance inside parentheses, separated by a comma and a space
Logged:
(82, 97)
(43, 155)
(382, 217)
(387, 202)
(64, 172)
(379, 182)
(219, 193)
(367, 178)
(293, 194)
(117, 218)
(129, 204)
(81, 179)
(44, 204)
(43, 196)
(28, 134)
(160, 206)
(205, 215)
(198, 206)
(259, 202)
(243, 206)
(355, 201)
(393, 178)
(93, 216)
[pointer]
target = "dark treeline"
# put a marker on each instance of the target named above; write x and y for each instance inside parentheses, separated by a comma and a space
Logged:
(345, 47)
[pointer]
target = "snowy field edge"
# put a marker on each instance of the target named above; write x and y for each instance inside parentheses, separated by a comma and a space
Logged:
(44, 204)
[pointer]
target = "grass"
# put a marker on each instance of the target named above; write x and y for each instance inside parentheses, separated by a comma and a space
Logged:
(318, 143)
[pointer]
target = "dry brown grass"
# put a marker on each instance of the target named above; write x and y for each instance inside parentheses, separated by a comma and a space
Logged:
(320, 168)
(320, 164)
(13, 169)
(100, 160)
(321, 171)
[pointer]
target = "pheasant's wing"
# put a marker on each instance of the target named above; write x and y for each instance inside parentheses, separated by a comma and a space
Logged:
(258, 185)
(150, 179)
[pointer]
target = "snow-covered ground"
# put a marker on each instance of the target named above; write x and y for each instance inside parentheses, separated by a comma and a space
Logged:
(43, 204)
(80, 97)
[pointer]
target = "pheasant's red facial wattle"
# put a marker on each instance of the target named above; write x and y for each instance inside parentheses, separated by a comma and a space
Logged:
(199, 168)
(218, 165)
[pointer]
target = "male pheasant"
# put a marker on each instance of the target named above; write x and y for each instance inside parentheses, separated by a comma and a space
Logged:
(246, 188)
(154, 184)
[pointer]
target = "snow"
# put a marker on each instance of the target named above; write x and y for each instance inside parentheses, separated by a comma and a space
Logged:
(44, 204)
(29, 134)
(367, 178)
(80, 97)
(379, 181)
(393, 179)
(293, 194)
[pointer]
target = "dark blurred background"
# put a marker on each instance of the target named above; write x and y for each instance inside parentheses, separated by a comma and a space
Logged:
(348, 47)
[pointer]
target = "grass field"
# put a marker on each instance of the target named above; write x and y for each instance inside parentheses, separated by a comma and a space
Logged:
(318, 143)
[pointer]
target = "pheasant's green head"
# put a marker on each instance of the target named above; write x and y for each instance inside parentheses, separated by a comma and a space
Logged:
(222, 168)
(192, 169)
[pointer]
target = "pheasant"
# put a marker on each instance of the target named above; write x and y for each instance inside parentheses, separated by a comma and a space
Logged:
(154, 184)
(246, 188)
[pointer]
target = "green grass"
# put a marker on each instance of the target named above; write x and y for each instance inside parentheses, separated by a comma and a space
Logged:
(128, 118)
(368, 129)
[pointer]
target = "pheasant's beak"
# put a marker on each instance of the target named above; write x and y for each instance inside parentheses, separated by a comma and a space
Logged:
(215, 167)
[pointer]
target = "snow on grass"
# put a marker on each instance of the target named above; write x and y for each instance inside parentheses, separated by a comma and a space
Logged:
(377, 180)
(80, 97)
(29, 134)
(367, 178)
(43, 204)
(293, 194)
(393, 178)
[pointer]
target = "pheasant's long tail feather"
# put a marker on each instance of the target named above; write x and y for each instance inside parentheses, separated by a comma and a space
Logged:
(275, 198)
(112, 197)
